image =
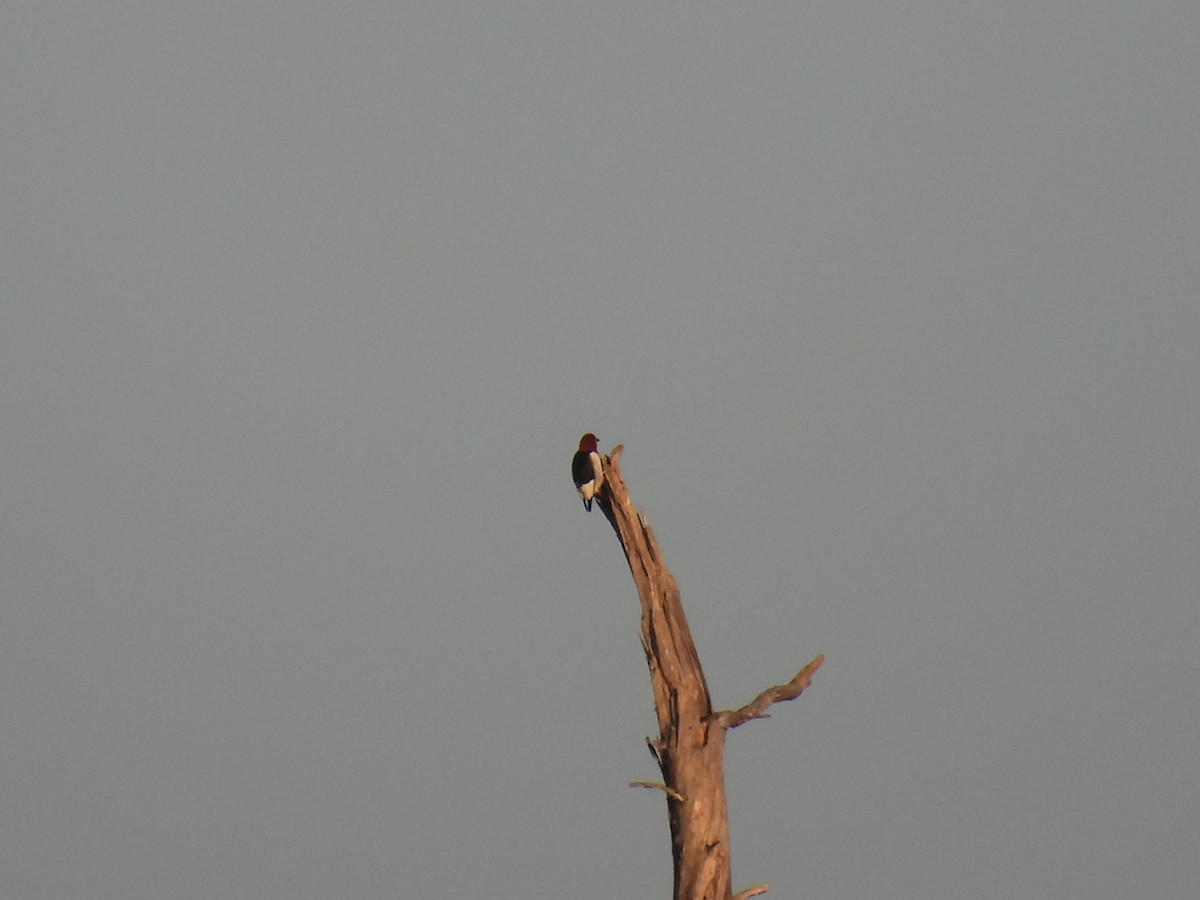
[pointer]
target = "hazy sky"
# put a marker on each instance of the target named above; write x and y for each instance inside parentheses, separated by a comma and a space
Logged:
(894, 306)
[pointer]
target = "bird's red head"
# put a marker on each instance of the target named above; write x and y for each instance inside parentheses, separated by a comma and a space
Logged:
(587, 443)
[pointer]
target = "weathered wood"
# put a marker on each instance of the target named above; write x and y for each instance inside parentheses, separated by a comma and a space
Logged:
(690, 746)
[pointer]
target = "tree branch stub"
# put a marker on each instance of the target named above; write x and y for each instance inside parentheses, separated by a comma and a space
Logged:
(756, 708)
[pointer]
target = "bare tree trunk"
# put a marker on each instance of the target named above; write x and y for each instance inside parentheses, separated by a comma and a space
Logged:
(690, 746)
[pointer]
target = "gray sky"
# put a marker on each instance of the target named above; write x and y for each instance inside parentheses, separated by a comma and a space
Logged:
(894, 307)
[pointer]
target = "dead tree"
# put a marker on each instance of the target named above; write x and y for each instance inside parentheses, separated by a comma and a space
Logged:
(690, 746)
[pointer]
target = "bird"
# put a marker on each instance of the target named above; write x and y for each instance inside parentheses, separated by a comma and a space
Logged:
(587, 471)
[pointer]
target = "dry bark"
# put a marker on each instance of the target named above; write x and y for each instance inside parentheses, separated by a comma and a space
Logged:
(690, 746)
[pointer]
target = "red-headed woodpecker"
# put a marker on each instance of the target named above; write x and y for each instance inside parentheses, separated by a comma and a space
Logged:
(587, 470)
